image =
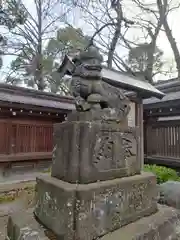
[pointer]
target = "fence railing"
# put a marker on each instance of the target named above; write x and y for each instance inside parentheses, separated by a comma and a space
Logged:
(163, 139)
(25, 137)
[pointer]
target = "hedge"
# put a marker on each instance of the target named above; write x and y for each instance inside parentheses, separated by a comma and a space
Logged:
(163, 174)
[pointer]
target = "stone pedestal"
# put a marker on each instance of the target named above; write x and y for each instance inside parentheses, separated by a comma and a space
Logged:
(96, 189)
(96, 186)
(92, 210)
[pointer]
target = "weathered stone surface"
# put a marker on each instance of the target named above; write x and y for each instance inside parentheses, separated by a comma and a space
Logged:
(86, 80)
(86, 152)
(55, 205)
(23, 226)
(92, 210)
(108, 205)
(87, 85)
(163, 225)
(170, 194)
(102, 115)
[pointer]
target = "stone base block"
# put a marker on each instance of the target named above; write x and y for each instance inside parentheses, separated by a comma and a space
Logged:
(163, 225)
(88, 211)
(86, 152)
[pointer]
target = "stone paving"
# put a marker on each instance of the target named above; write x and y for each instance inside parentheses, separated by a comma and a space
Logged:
(5, 210)
(20, 204)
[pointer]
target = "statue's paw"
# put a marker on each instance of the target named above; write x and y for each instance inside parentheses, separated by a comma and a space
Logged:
(81, 104)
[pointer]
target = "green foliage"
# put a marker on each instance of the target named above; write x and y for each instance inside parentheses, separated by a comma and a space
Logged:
(68, 40)
(162, 173)
(140, 56)
(12, 14)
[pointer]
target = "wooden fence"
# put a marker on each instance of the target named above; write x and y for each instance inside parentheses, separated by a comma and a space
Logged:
(25, 138)
(162, 139)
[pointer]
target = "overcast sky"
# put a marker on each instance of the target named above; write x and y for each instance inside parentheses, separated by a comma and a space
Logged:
(174, 21)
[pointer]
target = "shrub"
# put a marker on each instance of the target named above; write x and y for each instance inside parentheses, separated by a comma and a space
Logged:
(163, 174)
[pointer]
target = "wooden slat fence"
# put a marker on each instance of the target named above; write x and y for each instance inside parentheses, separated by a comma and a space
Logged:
(25, 137)
(4, 137)
(163, 139)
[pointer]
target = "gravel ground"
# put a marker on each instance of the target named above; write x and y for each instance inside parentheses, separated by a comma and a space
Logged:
(20, 177)
(5, 210)
(24, 201)
(9, 186)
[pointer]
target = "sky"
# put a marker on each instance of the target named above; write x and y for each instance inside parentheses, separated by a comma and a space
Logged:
(174, 20)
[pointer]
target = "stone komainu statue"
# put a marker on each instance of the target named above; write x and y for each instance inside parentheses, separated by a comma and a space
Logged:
(89, 90)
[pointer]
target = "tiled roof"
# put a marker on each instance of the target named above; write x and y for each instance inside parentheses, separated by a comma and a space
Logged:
(131, 83)
(6, 97)
(168, 97)
(12, 94)
(171, 88)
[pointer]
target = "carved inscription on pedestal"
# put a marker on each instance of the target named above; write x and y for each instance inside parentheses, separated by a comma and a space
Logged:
(88, 152)
(112, 207)
(137, 197)
(112, 149)
(104, 151)
(129, 145)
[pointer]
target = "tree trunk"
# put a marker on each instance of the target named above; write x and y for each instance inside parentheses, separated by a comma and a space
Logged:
(149, 68)
(113, 45)
(173, 44)
(118, 9)
(163, 15)
(39, 72)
